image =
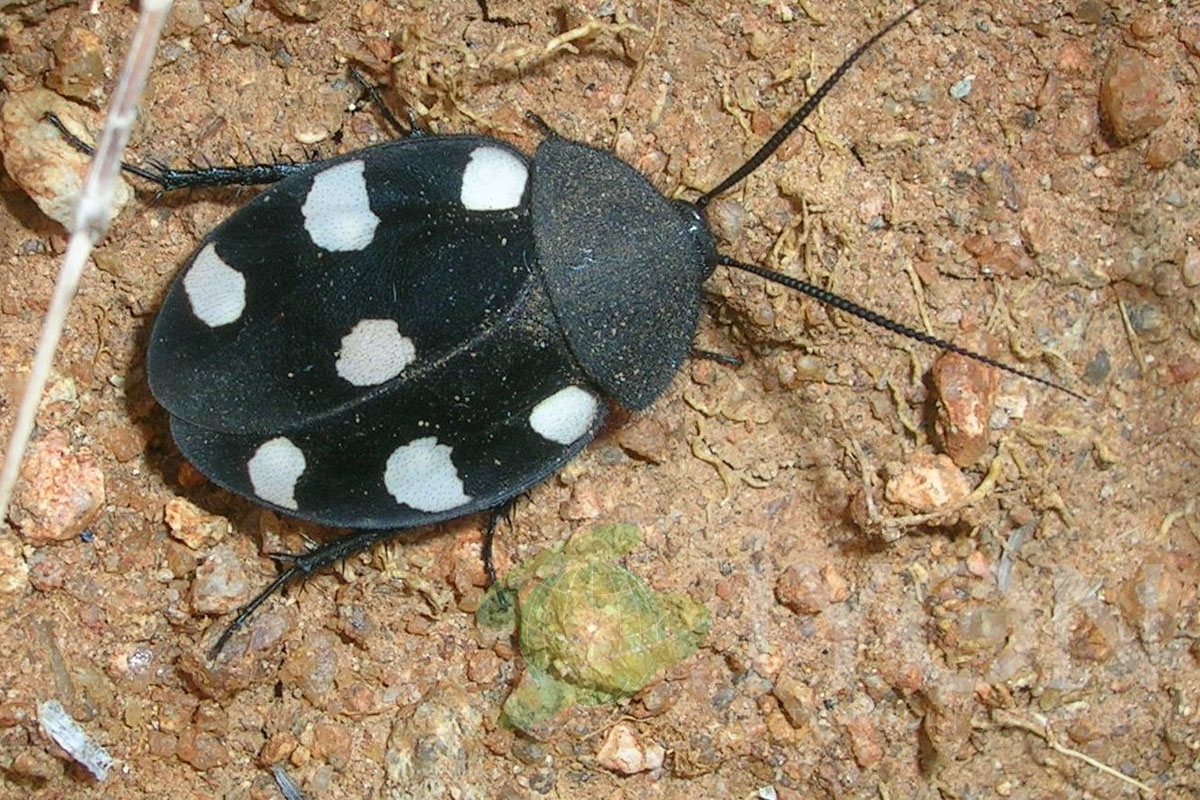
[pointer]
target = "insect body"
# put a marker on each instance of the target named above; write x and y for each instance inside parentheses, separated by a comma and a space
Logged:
(427, 328)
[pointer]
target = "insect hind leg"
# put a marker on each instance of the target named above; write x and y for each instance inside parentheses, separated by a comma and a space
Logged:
(299, 568)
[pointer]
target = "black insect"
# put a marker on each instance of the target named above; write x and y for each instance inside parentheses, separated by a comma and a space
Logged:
(429, 327)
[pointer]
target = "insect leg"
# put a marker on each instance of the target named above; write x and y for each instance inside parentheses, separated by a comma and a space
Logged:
(372, 91)
(300, 567)
(721, 358)
(169, 179)
(500, 512)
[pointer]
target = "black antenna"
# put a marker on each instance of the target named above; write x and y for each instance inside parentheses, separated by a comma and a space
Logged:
(867, 315)
(794, 121)
(812, 290)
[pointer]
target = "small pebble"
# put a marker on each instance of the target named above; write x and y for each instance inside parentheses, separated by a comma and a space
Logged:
(1091, 12)
(927, 483)
(188, 524)
(624, 753)
(80, 71)
(278, 748)
(968, 629)
(796, 699)
(1147, 26)
(221, 585)
(584, 504)
(1190, 268)
(999, 258)
(36, 765)
(35, 156)
(1088, 641)
(728, 218)
(202, 751)
(307, 10)
(1136, 97)
(1152, 599)
(963, 87)
(801, 590)
(966, 393)
(187, 16)
(949, 706)
(838, 586)
(14, 571)
(645, 438)
(866, 742)
(312, 667)
(433, 742)
(331, 743)
(1190, 36)
(61, 491)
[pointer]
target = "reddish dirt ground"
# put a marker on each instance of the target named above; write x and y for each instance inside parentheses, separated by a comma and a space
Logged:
(1021, 177)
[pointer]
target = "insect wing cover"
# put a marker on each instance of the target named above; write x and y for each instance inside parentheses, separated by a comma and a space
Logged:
(366, 345)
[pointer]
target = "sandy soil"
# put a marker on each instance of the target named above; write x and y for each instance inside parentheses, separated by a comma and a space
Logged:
(1039, 640)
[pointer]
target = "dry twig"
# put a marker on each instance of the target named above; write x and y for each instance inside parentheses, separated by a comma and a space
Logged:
(1039, 726)
(93, 213)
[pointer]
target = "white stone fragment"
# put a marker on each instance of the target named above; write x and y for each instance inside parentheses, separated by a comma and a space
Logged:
(565, 415)
(625, 753)
(274, 469)
(215, 290)
(374, 352)
(421, 475)
(337, 212)
(494, 180)
(66, 733)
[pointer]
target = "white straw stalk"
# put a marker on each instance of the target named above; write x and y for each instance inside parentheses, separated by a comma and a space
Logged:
(93, 213)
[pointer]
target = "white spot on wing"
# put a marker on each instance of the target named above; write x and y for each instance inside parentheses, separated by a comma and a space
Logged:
(494, 180)
(274, 469)
(337, 212)
(373, 352)
(421, 475)
(215, 290)
(565, 415)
